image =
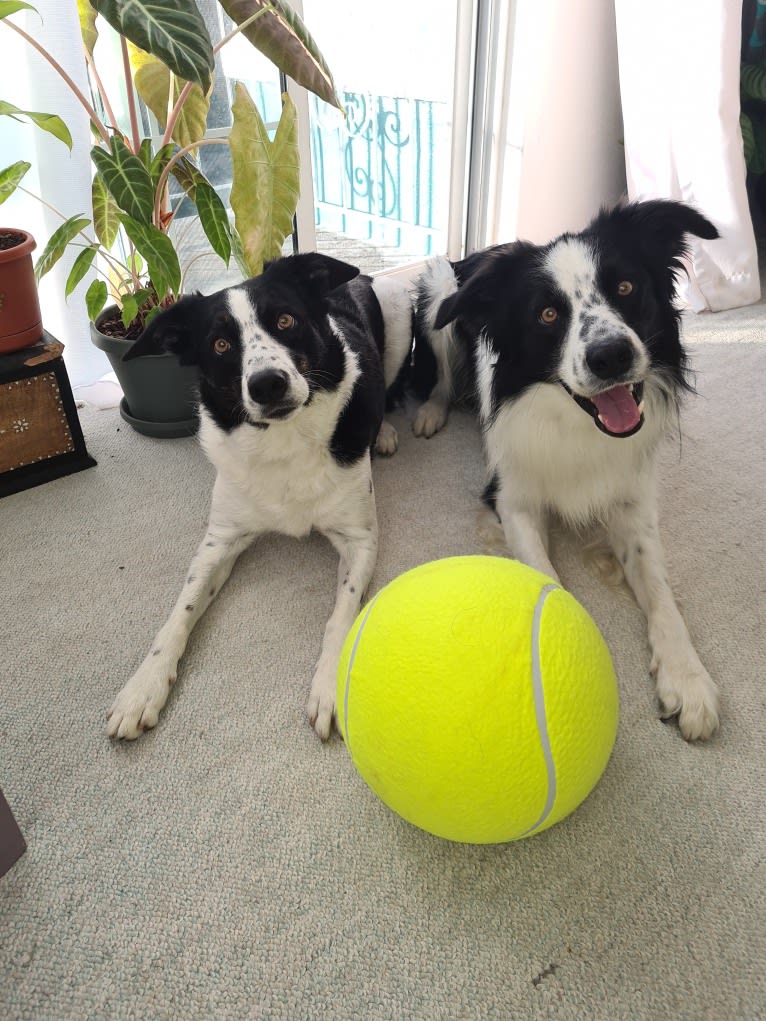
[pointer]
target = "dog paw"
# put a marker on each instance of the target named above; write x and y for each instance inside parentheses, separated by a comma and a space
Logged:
(321, 704)
(387, 442)
(429, 418)
(686, 691)
(137, 706)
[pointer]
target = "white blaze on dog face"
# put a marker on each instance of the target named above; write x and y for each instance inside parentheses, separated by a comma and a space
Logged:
(599, 348)
(272, 386)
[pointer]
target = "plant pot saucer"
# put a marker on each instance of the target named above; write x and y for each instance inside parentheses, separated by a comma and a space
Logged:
(159, 430)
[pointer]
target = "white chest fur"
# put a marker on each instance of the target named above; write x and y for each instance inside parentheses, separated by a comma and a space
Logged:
(551, 454)
(285, 478)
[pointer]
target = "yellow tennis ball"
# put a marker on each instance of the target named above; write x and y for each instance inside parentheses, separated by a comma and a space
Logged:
(477, 699)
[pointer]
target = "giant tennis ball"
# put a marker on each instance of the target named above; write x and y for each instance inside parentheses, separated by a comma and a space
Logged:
(477, 699)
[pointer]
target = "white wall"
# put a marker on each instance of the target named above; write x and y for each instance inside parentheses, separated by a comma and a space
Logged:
(563, 156)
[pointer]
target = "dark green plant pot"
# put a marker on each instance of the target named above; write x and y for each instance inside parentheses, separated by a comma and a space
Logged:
(160, 394)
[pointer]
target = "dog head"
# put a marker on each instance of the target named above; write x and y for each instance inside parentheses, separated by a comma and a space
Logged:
(593, 312)
(261, 346)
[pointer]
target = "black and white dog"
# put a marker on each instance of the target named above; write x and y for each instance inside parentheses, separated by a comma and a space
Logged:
(573, 355)
(294, 370)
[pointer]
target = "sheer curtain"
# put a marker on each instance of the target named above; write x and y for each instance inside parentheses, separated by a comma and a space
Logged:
(59, 177)
(679, 80)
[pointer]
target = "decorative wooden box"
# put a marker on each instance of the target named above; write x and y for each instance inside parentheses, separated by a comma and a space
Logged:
(40, 434)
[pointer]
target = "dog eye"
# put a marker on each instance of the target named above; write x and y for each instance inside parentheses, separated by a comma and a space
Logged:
(221, 346)
(285, 321)
(549, 315)
(624, 288)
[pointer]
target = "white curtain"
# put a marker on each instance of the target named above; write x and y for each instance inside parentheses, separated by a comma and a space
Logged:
(61, 178)
(679, 80)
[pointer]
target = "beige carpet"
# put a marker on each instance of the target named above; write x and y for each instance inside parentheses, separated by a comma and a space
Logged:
(230, 866)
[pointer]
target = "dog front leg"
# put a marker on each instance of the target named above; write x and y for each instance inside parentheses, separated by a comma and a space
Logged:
(526, 534)
(358, 549)
(138, 705)
(684, 687)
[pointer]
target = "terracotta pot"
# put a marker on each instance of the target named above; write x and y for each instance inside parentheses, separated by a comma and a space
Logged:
(20, 321)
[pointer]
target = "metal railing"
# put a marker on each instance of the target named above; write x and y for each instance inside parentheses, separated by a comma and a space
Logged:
(376, 173)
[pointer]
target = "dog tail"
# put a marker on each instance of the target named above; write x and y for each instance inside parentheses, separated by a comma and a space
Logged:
(398, 325)
(434, 352)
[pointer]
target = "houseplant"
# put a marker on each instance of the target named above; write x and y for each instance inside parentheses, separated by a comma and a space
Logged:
(168, 62)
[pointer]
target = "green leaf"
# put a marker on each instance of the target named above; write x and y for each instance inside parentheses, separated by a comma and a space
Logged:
(11, 177)
(88, 30)
(748, 138)
(153, 81)
(58, 243)
(284, 39)
(151, 314)
(238, 251)
(214, 220)
(95, 299)
(752, 79)
(159, 162)
(188, 176)
(11, 6)
(129, 309)
(172, 30)
(266, 178)
(106, 214)
(160, 255)
(145, 153)
(80, 268)
(135, 264)
(126, 178)
(757, 163)
(47, 121)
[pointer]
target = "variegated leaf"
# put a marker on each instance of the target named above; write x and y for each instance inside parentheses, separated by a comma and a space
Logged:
(214, 220)
(281, 35)
(126, 178)
(152, 80)
(160, 255)
(172, 30)
(57, 244)
(106, 214)
(266, 178)
(11, 177)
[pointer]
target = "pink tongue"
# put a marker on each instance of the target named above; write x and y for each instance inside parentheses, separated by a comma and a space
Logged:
(618, 411)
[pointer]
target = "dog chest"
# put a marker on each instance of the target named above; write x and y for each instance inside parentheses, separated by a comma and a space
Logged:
(287, 482)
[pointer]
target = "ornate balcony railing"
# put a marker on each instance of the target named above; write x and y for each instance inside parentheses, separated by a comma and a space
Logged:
(377, 176)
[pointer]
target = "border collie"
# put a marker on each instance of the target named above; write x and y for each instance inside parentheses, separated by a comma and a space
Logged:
(572, 352)
(294, 367)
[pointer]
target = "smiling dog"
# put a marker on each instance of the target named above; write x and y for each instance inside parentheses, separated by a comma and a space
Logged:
(572, 353)
(294, 367)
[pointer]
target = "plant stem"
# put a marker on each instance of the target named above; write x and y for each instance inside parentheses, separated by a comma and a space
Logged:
(101, 90)
(175, 113)
(131, 96)
(169, 166)
(97, 122)
(91, 244)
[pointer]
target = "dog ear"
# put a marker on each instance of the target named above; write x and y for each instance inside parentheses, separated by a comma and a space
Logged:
(172, 330)
(661, 225)
(320, 272)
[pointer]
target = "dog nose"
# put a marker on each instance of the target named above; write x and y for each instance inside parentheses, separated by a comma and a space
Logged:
(610, 359)
(268, 386)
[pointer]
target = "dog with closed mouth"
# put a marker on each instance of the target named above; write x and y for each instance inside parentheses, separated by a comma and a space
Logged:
(294, 370)
(571, 353)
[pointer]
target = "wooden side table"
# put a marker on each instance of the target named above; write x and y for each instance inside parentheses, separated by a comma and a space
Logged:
(40, 434)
